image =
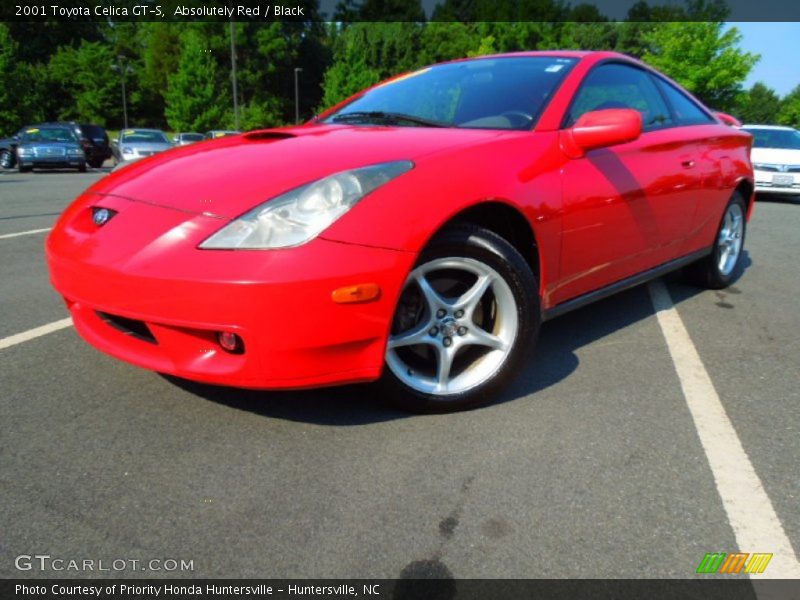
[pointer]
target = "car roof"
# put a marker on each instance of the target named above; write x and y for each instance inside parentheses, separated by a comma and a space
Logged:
(772, 127)
(49, 126)
(576, 54)
(141, 129)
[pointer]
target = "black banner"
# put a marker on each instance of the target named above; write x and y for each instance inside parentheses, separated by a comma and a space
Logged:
(400, 10)
(401, 589)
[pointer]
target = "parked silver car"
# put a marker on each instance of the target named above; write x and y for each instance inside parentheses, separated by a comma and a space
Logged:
(186, 138)
(134, 144)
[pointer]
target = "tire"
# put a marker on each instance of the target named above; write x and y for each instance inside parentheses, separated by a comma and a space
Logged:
(6, 159)
(720, 268)
(23, 169)
(96, 163)
(82, 168)
(466, 319)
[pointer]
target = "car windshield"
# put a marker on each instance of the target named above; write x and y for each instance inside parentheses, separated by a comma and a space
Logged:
(49, 134)
(496, 93)
(191, 137)
(785, 139)
(138, 136)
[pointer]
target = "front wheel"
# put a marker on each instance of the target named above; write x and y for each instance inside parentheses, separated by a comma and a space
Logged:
(718, 269)
(467, 317)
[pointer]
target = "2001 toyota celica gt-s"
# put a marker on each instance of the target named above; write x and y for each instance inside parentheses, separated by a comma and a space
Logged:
(417, 233)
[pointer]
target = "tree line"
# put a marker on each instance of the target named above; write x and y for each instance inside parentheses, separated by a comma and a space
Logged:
(178, 75)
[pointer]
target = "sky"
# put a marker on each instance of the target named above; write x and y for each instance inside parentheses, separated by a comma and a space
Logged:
(779, 47)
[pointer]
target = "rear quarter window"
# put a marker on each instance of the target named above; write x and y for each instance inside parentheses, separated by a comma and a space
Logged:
(686, 110)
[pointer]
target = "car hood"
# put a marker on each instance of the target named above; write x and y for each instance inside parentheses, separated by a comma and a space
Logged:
(775, 156)
(147, 147)
(229, 176)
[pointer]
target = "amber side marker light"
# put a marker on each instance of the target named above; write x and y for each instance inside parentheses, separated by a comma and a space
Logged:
(363, 292)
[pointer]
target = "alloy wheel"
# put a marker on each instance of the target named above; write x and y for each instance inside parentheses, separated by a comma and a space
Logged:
(730, 238)
(455, 326)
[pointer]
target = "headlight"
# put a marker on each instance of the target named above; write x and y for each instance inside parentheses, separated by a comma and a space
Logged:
(763, 167)
(127, 150)
(75, 152)
(302, 214)
(25, 151)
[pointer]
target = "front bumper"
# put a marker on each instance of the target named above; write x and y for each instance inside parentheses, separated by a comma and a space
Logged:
(769, 182)
(278, 301)
(52, 162)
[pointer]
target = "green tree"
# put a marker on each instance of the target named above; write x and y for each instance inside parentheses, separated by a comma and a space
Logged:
(703, 58)
(365, 53)
(789, 113)
(158, 58)
(193, 94)
(9, 116)
(86, 90)
(446, 40)
(759, 104)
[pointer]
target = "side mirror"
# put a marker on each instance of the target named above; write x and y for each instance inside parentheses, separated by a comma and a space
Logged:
(600, 129)
(15, 138)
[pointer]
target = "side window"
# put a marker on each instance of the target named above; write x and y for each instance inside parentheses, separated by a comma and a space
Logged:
(615, 85)
(685, 109)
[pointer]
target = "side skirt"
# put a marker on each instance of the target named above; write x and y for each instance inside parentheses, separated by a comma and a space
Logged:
(623, 284)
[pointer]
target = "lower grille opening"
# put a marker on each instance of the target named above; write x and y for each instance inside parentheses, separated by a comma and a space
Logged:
(131, 327)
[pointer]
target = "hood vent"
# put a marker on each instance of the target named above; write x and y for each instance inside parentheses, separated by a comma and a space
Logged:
(268, 135)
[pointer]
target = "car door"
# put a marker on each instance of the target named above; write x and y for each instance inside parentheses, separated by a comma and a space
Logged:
(627, 208)
(715, 153)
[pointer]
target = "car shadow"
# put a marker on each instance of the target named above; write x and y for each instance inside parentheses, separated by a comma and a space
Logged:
(342, 405)
(554, 359)
(778, 198)
(61, 171)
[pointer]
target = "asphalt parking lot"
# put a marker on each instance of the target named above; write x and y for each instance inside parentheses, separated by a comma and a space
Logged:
(593, 464)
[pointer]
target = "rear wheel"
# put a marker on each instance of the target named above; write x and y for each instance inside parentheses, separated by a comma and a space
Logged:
(6, 159)
(718, 269)
(467, 317)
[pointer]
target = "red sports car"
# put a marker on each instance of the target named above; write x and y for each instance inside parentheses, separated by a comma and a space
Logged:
(417, 233)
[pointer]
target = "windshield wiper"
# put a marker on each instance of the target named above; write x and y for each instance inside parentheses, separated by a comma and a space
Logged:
(368, 116)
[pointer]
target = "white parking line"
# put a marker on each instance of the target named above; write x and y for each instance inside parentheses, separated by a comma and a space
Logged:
(19, 233)
(31, 334)
(750, 511)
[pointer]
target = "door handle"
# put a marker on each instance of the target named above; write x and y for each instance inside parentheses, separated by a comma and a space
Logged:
(687, 164)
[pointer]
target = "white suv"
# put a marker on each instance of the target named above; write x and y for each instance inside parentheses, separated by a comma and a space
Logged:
(776, 158)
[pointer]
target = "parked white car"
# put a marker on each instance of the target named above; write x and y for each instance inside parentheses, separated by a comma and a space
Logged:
(776, 158)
